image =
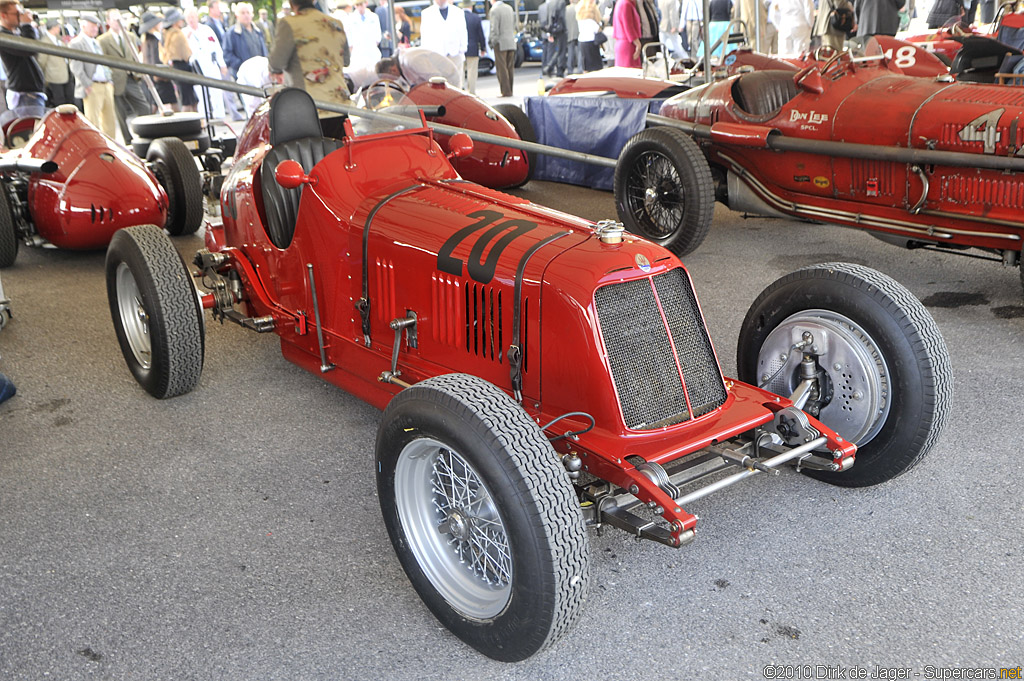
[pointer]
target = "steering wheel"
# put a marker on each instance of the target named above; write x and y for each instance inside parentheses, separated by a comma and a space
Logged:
(825, 53)
(384, 92)
(836, 61)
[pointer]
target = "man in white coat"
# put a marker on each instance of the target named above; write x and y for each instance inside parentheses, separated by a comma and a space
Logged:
(793, 19)
(443, 30)
(208, 59)
(362, 28)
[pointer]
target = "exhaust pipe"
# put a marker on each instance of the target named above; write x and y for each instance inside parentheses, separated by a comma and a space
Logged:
(27, 165)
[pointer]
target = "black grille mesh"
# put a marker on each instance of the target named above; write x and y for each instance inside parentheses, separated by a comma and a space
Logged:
(640, 353)
(696, 357)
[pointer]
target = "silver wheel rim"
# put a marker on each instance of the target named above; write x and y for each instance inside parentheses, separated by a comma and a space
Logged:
(134, 318)
(453, 528)
(860, 377)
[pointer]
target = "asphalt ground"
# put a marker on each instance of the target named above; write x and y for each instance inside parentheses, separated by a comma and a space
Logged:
(234, 533)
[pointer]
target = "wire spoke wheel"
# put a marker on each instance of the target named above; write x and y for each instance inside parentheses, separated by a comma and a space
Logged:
(454, 528)
(482, 516)
(664, 190)
(653, 190)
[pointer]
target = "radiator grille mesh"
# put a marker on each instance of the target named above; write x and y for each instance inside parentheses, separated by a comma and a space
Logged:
(640, 352)
(700, 367)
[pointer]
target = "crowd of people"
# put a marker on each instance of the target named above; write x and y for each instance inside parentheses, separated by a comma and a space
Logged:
(306, 46)
(330, 51)
(786, 27)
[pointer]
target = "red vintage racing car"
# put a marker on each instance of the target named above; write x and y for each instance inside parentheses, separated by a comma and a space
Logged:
(491, 165)
(71, 186)
(947, 42)
(921, 162)
(539, 373)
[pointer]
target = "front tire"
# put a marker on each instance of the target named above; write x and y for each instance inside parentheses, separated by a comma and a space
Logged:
(664, 190)
(155, 310)
(176, 171)
(520, 122)
(481, 515)
(885, 372)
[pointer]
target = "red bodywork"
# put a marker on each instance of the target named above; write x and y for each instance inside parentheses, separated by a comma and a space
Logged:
(490, 165)
(873, 113)
(623, 82)
(903, 57)
(947, 40)
(99, 186)
(451, 252)
(631, 83)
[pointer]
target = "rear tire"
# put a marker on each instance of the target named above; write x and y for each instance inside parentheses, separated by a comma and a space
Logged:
(155, 310)
(9, 241)
(175, 169)
(664, 190)
(482, 515)
(524, 128)
(196, 144)
(180, 124)
(888, 349)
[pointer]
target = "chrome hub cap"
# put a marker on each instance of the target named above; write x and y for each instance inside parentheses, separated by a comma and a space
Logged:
(861, 391)
(134, 318)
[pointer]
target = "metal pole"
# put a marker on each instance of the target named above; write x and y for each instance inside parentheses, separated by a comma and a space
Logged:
(29, 45)
(758, 8)
(706, 32)
(874, 152)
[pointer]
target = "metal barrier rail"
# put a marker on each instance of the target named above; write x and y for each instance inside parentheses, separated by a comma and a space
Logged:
(29, 45)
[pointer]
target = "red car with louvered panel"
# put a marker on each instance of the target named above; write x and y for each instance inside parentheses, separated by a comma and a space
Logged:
(539, 373)
(925, 162)
(70, 186)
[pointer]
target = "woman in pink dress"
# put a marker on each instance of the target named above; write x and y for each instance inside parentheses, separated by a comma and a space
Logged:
(626, 31)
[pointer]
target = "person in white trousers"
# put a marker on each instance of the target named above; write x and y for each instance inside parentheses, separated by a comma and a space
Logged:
(443, 30)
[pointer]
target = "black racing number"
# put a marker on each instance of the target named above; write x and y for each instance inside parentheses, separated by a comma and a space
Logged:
(481, 270)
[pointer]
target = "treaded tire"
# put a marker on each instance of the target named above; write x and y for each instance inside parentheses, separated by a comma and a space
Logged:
(164, 351)
(8, 232)
(520, 56)
(175, 169)
(180, 124)
(524, 128)
(919, 379)
(664, 190)
(457, 415)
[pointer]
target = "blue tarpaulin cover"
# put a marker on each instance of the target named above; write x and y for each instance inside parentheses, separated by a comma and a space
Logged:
(595, 125)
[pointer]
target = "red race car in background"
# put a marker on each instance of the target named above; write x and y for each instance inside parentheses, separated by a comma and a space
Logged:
(946, 42)
(539, 373)
(71, 186)
(922, 162)
(491, 165)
